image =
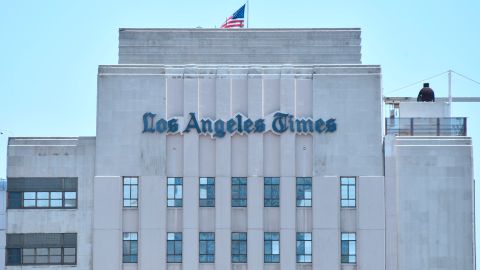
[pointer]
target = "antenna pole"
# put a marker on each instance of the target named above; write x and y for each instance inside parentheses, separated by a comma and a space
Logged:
(450, 86)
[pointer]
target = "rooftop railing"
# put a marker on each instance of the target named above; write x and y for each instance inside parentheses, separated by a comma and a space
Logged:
(445, 126)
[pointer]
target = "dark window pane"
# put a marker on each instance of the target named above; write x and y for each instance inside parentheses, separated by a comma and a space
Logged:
(13, 256)
(14, 200)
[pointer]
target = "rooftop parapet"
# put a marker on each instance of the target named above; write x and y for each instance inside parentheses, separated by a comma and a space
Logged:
(240, 46)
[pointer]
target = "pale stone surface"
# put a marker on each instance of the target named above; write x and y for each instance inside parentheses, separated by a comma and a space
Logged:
(424, 109)
(240, 46)
(434, 210)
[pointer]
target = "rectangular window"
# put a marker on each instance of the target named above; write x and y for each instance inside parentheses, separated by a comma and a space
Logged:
(41, 249)
(69, 255)
(304, 191)
(42, 193)
(130, 192)
(304, 247)
(239, 192)
(130, 247)
(175, 192)
(271, 247)
(174, 247)
(349, 249)
(14, 256)
(271, 192)
(56, 199)
(70, 199)
(207, 247)
(239, 247)
(347, 192)
(15, 200)
(207, 192)
(49, 256)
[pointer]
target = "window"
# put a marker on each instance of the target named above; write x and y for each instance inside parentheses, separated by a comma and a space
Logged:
(70, 199)
(130, 247)
(207, 192)
(47, 256)
(175, 192)
(207, 247)
(15, 200)
(42, 256)
(239, 192)
(271, 192)
(349, 252)
(130, 192)
(14, 256)
(304, 191)
(69, 255)
(41, 249)
(42, 193)
(54, 199)
(239, 247)
(348, 190)
(174, 247)
(271, 247)
(304, 247)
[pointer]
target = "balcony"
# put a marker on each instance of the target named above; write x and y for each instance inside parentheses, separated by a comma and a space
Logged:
(445, 126)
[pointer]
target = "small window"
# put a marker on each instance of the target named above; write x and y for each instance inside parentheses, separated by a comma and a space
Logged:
(207, 192)
(14, 256)
(70, 255)
(14, 200)
(304, 247)
(174, 247)
(304, 191)
(56, 199)
(239, 247)
(55, 256)
(349, 252)
(130, 247)
(28, 256)
(271, 247)
(70, 199)
(207, 247)
(29, 199)
(239, 192)
(43, 199)
(130, 192)
(175, 192)
(271, 192)
(348, 192)
(41, 256)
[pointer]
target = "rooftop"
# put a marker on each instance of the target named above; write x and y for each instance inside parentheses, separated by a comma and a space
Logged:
(173, 46)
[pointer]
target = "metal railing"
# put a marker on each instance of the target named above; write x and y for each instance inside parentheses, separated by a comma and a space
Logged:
(445, 126)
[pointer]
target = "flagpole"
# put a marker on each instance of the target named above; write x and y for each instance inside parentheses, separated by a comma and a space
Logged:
(248, 11)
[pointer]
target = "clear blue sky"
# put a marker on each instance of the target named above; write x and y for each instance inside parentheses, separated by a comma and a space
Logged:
(50, 50)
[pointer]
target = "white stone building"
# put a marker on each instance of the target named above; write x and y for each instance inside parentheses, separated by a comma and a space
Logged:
(245, 149)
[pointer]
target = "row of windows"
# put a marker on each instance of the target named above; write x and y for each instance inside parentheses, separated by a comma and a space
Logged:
(50, 199)
(32, 256)
(239, 192)
(271, 247)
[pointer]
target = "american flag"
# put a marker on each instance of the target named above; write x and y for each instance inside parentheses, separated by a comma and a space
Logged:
(236, 20)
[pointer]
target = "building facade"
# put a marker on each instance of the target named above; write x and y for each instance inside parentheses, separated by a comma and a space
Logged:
(244, 149)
